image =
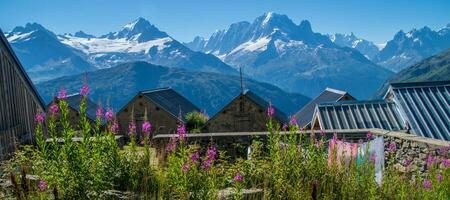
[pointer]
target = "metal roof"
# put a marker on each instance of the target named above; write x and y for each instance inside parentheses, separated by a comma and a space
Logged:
(305, 115)
(22, 70)
(358, 115)
(74, 102)
(279, 115)
(170, 101)
(425, 106)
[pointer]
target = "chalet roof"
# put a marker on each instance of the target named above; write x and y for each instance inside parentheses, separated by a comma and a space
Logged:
(170, 100)
(304, 116)
(425, 106)
(358, 115)
(74, 102)
(279, 115)
(22, 71)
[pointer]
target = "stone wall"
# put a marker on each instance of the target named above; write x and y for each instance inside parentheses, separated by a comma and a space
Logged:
(411, 151)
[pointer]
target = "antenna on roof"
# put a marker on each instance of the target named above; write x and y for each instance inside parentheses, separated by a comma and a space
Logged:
(242, 82)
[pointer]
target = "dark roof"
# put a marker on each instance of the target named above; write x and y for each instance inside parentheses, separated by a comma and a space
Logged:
(304, 116)
(425, 106)
(170, 100)
(279, 115)
(358, 115)
(22, 70)
(74, 101)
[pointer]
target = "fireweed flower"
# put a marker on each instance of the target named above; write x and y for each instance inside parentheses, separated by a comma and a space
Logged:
(185, 167)
(285, 127)
(181, 130)
(439, 178)
(42, 185)
(212, 152)
(99, 112)
(237, 178)
(407, 162)
(84, 91)
(446, 163)
(392, 147)
(131, 128)
(62, 94)
(430, 160)
(115, 127)
(195, 157)
(427, 184)
(172, 145)
(443, 151)
(207, 164)
(369, 135)
(322, 133)
(39, 117)
(293, 121)
(146, 127)
(270, 110)
(109, 115)
(53, 109)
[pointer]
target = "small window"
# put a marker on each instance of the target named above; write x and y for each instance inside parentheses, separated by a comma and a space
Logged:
(140, 96)
(224, 112)
(156, 108)
(126, 110)
(140, 103)
(260, 110)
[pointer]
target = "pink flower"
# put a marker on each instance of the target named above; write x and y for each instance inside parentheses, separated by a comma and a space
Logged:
(185, 167)
(392, 147)
(443, 151)
(84, 91)
(99, 112)
(207, 164)
(39, 117)
(146, 127)
(430, 160)
(212, 153)
(369, 135)
(446, 163)
(322, 133)
(131, 128)
(172, 145)
(439, 178)
(109, 115)
(285, 127)
(293, 121)
(42, 185)
(195, 157)
(270, 110)
(427, 184)
(54, 108)
(115, 127)
(407, 162)
(237, 178)
(62, 94)
(181, 130)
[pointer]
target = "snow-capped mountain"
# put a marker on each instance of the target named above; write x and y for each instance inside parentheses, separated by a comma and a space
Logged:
(43, 55)
(406, 49)
(274, 49)
(48, 56)
(142, 41)
(367, 48)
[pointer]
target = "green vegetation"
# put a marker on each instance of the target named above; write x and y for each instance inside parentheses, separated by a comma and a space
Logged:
(288, 166)
(195, 121)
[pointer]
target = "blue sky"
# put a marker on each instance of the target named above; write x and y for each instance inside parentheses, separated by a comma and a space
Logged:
(374, 20)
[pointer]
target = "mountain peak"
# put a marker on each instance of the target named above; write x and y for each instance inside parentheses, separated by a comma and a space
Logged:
(82, 34)
(305, 25)
(29, 27)
(139, 30)
(139, 23)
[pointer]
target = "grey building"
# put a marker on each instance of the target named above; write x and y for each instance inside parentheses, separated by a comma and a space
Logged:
(19, 101)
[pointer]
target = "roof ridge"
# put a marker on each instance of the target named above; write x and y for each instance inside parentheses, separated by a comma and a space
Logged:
(357, 102)
(420, 84)
(155, 89)
(335, 91)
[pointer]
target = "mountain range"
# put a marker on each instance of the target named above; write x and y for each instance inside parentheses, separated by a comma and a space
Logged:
(435, 68)
(208, 90)
(274, 49)
(48, 56)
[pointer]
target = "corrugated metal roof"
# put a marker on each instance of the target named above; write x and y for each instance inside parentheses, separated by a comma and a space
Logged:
(279, 115)
(425, 106)
(305, 115)
(358, 115)
(171, 101)
(74, 102)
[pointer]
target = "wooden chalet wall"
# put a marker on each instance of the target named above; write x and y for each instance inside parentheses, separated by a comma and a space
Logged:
(19, 102)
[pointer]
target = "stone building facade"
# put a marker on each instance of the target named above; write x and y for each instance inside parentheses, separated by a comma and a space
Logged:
(245, 113)
(165, 108)
(19, 102)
